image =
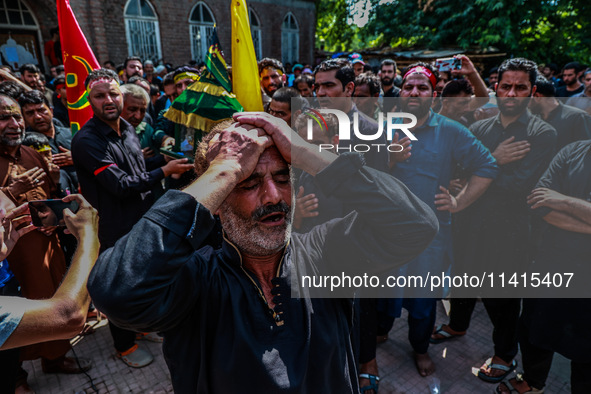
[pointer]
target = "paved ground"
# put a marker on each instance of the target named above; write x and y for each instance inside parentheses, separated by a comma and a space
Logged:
(454, 361)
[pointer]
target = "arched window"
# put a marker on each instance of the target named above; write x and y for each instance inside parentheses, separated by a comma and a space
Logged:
(15, 13)
(290, 39)
(19, 35)
(201, 22)
(141, 27)
(255, 30)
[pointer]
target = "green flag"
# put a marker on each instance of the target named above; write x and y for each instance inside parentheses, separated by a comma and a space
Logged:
(203, 104)
(215, 62)
(209, 100)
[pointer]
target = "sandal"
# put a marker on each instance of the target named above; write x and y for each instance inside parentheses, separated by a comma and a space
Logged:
(512, 388)
(135, 357)
(440, 330)
(149, 336)
(373, 382)
(500, 378)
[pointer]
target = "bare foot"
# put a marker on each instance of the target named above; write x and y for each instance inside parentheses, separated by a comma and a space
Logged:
(424, 364)
(371, 368)
(494, 372)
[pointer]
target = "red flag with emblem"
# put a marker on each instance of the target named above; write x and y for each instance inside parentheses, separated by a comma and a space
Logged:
(78, 62)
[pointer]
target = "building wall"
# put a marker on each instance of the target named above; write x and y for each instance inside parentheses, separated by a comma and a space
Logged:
(103, 25)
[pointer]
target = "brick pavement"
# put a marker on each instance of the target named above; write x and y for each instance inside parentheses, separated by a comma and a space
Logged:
(454, 360)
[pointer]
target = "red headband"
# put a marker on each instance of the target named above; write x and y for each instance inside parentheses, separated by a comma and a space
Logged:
(59, 86)
(422, 70)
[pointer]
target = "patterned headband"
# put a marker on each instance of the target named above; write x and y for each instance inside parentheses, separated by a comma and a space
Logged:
(422, 70)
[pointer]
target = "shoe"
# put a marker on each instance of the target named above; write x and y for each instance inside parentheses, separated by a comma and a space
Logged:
(68, 365)
(136, 357)
(149, 336)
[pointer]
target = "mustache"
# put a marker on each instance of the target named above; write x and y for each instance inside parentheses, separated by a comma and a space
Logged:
(265, 210)
(19, 130)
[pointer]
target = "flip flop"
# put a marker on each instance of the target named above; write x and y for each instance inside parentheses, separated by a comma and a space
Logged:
(500, 378)
(373, 382)
(447, 336)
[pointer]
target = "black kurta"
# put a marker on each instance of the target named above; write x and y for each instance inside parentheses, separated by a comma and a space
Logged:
(564, 325)
(220, 334)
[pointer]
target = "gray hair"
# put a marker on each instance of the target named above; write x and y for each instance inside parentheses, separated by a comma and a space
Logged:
(135, 91)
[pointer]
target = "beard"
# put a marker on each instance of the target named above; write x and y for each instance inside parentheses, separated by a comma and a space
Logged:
(10, 141)
(101, 112)
(250, 236)
(387, 81)
(273, 87)
(519, 104)
(419, 111)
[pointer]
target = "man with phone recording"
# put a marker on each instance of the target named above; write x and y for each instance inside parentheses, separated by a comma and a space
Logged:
(37, 261)
(62, 316)
(113, 178)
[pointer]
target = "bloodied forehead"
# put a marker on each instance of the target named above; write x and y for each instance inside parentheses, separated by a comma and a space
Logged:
(8, 105)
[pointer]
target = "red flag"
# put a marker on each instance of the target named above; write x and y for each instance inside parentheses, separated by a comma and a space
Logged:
(79, 61)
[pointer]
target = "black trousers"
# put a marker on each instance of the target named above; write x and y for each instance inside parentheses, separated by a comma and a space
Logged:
(374, 323)
(504, 315)
(368, 322)
(537, 362)
(123, 339)
(419, 330)
(461, 313)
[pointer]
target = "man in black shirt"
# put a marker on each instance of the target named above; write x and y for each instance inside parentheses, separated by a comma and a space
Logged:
(113, 178)
(335, 84)
(495, 229)
(387, 76)
(570, 75)
(571, 123)
(239, 319)
(562, 198)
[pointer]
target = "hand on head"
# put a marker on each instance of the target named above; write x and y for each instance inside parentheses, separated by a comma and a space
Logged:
(238, 148)
(287, 141)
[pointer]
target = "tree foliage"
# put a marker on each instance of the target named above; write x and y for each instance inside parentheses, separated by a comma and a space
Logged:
(542, 30)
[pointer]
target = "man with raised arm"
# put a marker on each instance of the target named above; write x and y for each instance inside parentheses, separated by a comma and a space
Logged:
(230, 316)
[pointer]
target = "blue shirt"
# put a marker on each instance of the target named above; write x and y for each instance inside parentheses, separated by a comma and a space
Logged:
(442, 145)
(10, 317)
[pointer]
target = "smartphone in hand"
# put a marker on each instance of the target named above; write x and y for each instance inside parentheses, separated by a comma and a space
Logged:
(50, 213)
(448, 64)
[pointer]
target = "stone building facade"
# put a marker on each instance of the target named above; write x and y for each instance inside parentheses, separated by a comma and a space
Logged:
(169, 31)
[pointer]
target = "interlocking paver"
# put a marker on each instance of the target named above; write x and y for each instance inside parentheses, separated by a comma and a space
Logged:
(453, 359)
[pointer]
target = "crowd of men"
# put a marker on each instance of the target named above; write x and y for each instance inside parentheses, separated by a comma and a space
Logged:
(496, 175)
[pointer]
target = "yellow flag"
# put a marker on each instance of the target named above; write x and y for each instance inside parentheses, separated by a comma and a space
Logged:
(246, 84)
